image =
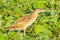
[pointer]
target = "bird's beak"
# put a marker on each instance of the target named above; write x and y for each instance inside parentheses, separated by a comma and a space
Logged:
(44, 10)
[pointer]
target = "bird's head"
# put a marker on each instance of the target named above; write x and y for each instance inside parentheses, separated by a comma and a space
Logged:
(38, 10)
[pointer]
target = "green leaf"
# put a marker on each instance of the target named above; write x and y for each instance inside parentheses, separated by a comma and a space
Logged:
(38, 4)
(0, 20)
(13, 35)
(9, 20)
(46, 33)
(39, 28)
(1, 36)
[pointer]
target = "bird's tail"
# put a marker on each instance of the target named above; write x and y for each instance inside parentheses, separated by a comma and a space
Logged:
(10, 27)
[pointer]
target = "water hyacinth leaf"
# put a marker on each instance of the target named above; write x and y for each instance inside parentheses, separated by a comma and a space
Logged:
(39, 28)
(12, 35)
(46, 33)
(42, 20)
(2, 36)
(9, 21)
(38, 4)
(0, 20)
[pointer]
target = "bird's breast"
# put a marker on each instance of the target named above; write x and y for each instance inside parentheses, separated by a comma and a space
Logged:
(30, 22)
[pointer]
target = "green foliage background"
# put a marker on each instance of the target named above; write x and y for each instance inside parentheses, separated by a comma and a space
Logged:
(45, 27)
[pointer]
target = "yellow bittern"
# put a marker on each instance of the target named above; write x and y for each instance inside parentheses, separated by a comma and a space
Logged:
(25, 21)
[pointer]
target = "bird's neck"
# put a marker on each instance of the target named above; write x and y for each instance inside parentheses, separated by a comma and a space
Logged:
(33, 14)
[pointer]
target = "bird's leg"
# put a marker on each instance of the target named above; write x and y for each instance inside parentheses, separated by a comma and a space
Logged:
(24, 31)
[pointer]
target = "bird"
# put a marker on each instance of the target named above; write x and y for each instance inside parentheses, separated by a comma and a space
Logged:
(25, 21)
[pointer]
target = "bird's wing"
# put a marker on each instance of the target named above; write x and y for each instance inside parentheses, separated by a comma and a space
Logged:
(20, 23)
(18, 26)
(23, 19)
